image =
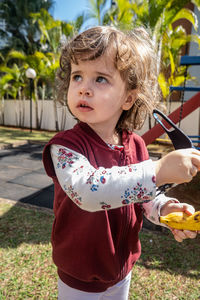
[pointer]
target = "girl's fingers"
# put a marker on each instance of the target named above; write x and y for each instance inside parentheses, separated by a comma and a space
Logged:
(180, 235)
(190, 234)
(193, 171)
(188, 209)
(176, 207)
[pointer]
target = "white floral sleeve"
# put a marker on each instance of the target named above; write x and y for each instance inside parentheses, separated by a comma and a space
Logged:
(103, 188)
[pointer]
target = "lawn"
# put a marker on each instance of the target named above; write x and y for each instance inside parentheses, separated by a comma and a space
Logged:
(166, 269)
(10, 135)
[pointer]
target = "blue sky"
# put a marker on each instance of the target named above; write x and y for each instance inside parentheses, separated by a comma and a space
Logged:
(68, 10)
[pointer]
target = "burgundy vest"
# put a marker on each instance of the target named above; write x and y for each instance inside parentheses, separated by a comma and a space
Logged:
(94, 250)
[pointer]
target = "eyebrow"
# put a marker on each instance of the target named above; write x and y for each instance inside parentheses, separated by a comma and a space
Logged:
(76, 72)
(97, 73)
(104, 74)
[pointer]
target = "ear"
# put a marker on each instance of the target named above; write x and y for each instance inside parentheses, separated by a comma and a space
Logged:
(130, 99)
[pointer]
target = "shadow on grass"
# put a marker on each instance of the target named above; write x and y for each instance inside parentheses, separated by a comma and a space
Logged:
(160, 251)
(34, 151)
(24, 225)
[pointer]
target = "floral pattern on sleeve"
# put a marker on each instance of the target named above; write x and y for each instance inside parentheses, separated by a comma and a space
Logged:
(93, 181)
(137, 192)
(65, 158)
(101, 188)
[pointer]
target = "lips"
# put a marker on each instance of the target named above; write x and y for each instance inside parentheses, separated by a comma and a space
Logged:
(84, 106)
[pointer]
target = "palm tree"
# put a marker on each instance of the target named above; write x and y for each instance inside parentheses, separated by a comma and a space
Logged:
(19, 32)
(11, 83)
(120, 14)
(49, 66)
(160, 17)
(97, 11)
(38, 61)
(46, 61)
(170, 71)
(52, 33)
(4, 87)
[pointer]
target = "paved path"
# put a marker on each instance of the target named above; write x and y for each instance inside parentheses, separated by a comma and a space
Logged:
(22, 176)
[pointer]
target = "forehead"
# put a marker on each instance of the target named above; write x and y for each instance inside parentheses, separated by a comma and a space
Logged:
(89, 52)
(105, 61)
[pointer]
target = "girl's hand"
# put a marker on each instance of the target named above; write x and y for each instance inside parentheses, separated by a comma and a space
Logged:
(177, 166)
(179, 235)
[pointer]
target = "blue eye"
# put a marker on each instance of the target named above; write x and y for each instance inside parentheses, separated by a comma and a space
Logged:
(77, 77)
(101, 79)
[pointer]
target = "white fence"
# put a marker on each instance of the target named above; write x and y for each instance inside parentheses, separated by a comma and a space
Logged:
(16, 111)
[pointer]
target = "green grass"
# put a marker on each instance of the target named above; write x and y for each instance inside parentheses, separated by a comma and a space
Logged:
(26, 268)
(166, 270)
(10, 135)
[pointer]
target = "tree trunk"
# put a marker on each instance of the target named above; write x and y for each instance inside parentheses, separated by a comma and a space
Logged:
(42, 105)
(55, 111)
(55, 115)
(36, 105)
(16, 114)
(20, 107)
(24, 112)
(63, 118)
(2, 111)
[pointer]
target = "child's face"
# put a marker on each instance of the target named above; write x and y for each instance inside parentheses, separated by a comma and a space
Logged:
(97, 95)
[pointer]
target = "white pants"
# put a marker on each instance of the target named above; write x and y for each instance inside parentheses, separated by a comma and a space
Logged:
(118, 291)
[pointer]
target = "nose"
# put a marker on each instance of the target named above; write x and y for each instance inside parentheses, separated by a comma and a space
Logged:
(85, 91)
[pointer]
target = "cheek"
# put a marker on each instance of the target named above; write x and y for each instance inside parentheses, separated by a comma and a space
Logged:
(69, 100)
(113, 93)
(112, 99)
(70, 93)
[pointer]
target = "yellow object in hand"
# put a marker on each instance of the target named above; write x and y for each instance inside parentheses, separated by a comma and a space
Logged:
(182, 221)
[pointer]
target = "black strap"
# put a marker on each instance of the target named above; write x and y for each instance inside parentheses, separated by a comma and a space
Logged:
(179, 139)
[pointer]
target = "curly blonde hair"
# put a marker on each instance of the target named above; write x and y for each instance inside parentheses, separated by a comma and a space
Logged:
(134, 57)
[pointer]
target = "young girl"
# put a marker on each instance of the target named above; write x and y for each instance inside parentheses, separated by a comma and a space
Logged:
(103, 179)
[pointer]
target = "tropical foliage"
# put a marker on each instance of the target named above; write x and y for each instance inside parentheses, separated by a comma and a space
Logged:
(169, 36)
(33, 39)
(19, 32)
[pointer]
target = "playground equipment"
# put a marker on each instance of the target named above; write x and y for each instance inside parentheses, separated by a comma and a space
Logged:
(179, 139)
(186, 108)
(188, 61)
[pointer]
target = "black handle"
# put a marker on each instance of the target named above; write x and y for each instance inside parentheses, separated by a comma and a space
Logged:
(179, 139)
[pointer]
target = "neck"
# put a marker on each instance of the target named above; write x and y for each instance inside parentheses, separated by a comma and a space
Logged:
(115, 139)
(110, 136)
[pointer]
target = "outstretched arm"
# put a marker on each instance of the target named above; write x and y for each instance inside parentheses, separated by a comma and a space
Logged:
(103, 188)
